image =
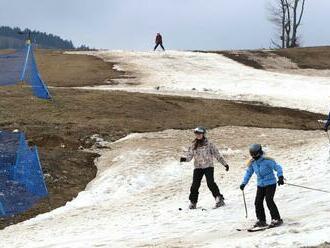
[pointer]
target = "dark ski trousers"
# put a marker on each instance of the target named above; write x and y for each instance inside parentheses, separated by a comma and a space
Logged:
(159, 44)
(197, 178)
(267, 192)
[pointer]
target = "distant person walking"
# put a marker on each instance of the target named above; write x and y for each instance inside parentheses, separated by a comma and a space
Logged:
(159, 42)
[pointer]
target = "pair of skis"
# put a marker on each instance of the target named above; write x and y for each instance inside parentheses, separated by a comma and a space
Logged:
(198, 208)
(201, 208)
(256, 229)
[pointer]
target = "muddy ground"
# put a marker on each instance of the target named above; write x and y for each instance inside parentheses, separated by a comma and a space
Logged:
(62, 127)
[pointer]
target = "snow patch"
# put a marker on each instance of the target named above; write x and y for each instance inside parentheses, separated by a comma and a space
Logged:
(215, 76)
(117, 68)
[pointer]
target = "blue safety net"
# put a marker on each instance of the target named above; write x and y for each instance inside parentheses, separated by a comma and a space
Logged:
(31, 76)
(21, 66)
(21, 179)
(11, 67)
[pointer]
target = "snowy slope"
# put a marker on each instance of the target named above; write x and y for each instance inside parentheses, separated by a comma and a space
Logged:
(134, 200)
(215, 76)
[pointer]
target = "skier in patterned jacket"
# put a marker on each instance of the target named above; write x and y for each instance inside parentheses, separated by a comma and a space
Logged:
(264, 168)
(203, 153)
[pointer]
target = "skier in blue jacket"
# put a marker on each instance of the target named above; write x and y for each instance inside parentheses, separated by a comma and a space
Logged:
(327, 124)
(264, 168)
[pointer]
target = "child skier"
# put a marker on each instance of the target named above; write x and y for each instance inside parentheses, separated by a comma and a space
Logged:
(264, 167)
(203, 152)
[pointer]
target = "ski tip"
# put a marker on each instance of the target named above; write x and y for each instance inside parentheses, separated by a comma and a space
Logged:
(258, 229)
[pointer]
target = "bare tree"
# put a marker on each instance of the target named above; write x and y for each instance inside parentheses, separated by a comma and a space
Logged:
(298, 6)
(286, 15)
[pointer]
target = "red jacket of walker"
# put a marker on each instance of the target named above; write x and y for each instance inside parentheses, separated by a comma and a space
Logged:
(159, 39)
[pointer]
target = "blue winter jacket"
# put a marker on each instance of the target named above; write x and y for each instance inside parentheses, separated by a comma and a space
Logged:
(264, 168)
(327, 124)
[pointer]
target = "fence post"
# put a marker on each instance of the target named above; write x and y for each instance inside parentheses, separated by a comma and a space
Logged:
(26, 61)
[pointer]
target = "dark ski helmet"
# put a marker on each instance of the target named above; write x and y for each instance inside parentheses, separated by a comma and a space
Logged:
(200, 130)
(256, 150)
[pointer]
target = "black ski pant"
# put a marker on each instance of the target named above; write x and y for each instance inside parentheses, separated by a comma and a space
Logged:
(159, 44)
(267, 192)
(197, 178)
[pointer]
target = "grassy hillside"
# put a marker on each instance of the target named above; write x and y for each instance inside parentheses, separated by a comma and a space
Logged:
(305, 58)
(308, 57)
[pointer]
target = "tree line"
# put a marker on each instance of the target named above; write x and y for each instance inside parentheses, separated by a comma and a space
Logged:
(14, 38)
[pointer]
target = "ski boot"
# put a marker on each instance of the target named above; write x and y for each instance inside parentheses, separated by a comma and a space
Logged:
(192, 205)
(260, 223)
(219, 201)
(276, 223)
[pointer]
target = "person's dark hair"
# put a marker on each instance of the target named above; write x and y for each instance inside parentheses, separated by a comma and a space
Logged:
(199, 142)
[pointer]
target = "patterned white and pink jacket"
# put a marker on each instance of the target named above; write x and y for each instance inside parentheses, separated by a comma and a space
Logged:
(204, 155)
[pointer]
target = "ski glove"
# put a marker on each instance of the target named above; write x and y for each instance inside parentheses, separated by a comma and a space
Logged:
(242, 186)
(227, 167)
(183, 160)
(280, 180)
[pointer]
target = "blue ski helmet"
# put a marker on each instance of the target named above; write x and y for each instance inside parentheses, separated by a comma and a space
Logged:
(256, 150)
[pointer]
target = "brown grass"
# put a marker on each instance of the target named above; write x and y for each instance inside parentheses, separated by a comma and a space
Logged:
(308, 57)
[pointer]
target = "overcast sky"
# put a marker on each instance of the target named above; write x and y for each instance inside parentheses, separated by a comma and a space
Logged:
(185, 24)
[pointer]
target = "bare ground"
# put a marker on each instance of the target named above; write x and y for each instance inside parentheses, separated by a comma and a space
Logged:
(308, 57)
(60, 128)
(313, 61)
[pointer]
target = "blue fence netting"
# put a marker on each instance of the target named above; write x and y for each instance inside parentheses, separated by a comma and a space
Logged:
(21, 178)
(11, 67)
(21, 66)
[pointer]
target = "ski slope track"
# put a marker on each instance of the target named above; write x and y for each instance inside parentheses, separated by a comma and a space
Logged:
(134, 200)
(140, 185)
(215, 76)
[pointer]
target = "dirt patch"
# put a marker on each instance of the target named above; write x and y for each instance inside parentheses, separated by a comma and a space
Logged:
(310, 61)
(60, 128)
(308, 57)
(245, 58)
(71, 70)
(7, 51)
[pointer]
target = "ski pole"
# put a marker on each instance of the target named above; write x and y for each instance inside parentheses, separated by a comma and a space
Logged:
(246, 213)
(299, 186)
